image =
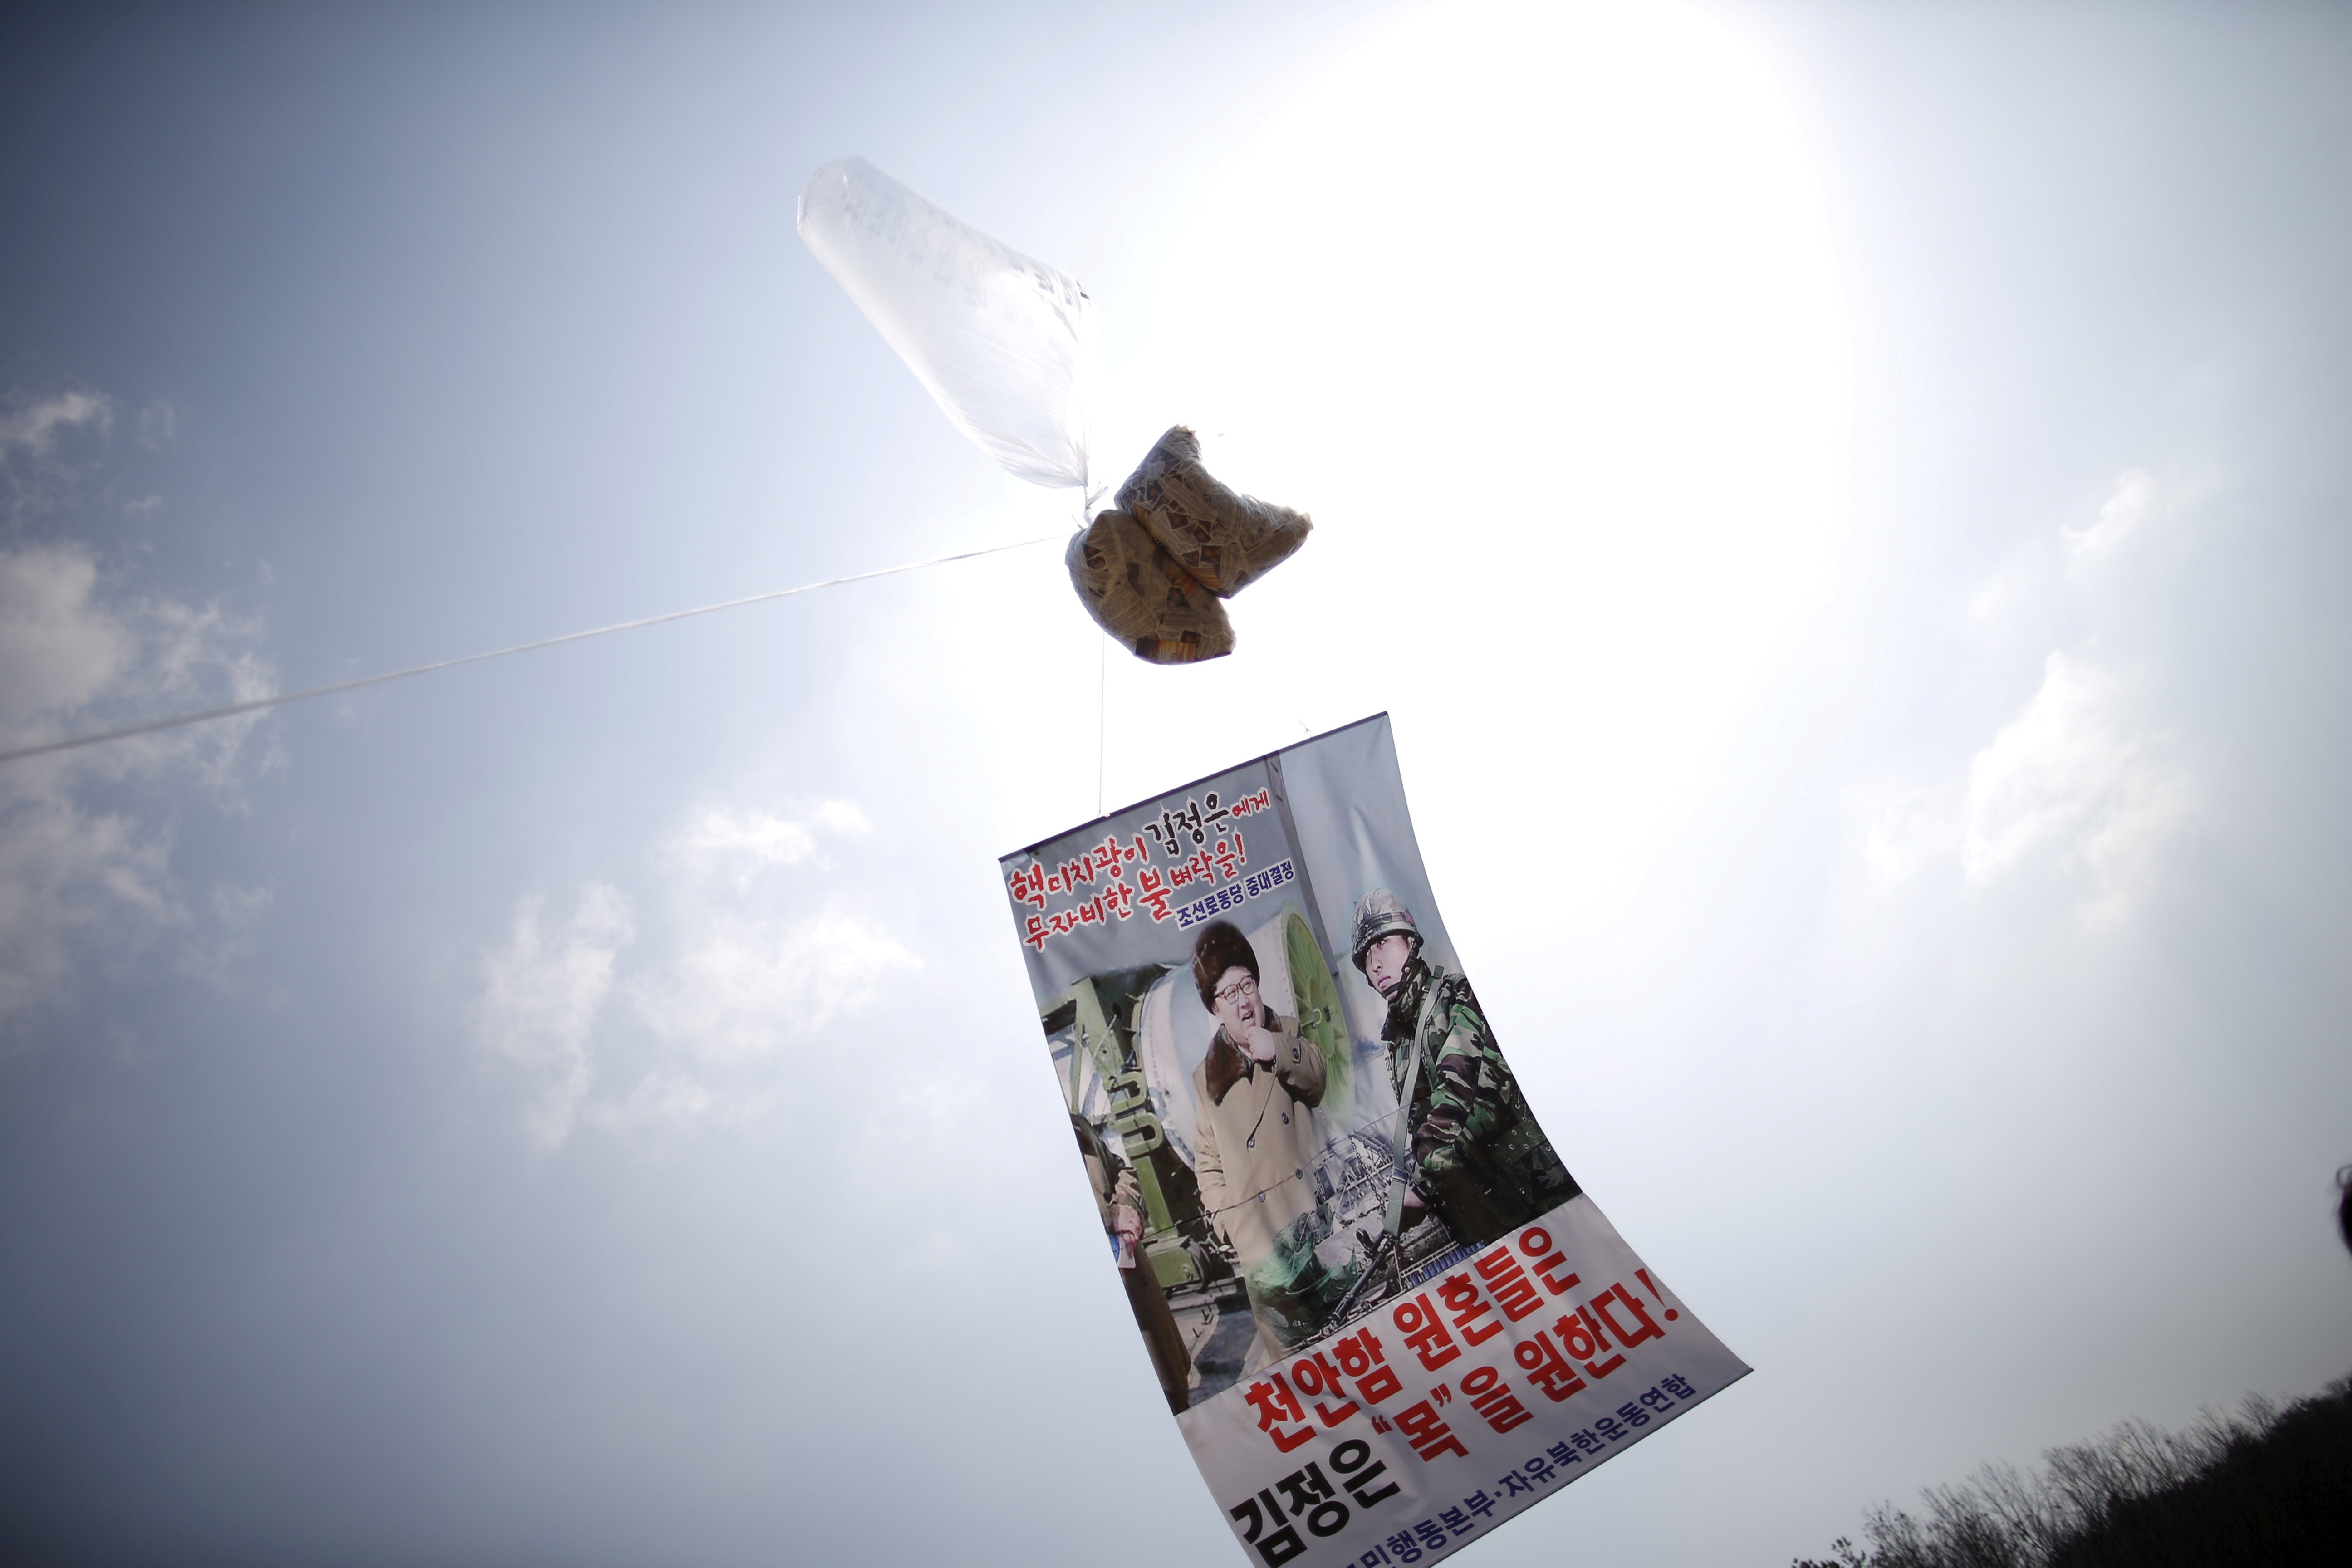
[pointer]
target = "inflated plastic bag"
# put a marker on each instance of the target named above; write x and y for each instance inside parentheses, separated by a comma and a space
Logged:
(1224, 539)
(1004, 344)
(1137, 593)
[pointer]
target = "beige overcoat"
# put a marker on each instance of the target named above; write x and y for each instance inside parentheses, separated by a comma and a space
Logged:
(1251, 1149)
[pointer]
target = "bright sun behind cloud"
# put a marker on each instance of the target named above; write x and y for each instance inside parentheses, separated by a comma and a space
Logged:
(1538, 309)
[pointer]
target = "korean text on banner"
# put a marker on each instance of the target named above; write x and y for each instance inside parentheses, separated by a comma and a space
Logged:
(1384, 1314)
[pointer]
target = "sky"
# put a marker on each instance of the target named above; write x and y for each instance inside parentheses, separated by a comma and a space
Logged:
(1843, 504)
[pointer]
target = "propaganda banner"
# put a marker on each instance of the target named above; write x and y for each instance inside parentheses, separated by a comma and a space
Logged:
(1384, 1314)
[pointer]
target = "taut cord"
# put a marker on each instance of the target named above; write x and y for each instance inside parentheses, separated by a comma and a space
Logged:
(255, 704)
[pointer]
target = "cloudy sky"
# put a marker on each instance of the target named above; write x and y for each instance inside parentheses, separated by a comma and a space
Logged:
(1845, 505)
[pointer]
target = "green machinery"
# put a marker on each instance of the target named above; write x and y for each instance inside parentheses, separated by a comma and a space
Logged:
(1093, 1026)
(1319, 1019)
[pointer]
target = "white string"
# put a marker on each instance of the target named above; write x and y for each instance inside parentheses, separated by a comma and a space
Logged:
(1102, 717)
(258, 703)
(1102, 657)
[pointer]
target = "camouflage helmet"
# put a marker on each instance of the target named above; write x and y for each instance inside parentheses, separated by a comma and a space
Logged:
(1381, 913)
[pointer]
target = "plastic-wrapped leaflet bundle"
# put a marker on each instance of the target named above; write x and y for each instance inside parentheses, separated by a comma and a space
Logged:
(1006, 344)
(1223, 539)
(1152, 573)
(1135, 589)
(1385, 1315)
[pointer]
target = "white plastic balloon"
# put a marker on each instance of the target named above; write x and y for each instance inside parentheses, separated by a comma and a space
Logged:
(1005, 344)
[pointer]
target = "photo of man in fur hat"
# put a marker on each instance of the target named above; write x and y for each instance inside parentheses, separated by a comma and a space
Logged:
(1253, 1143)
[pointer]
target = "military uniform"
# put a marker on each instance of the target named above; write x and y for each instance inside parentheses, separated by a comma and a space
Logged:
(1480, 1162)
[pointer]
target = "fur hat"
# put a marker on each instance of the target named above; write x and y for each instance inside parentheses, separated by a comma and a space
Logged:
(1222, 947)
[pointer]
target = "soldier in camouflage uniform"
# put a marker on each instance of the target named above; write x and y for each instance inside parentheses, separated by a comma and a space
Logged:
(1479, 1161)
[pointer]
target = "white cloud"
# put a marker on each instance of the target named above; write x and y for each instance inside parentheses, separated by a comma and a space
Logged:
(743, 987)
(2040, 587)
(751, 969)
(65, 872)
(2139, 506)
(85, 887)
(75, 658)
(746, 973)
(32, 461)
(749, 842)
(33, 426)
(2069, 776)
(2125, 512)
(542, 993)
(214, 948)
(2071, 782)
(663, 1102)
(159, 426)
(58, 648)
(2074, 779)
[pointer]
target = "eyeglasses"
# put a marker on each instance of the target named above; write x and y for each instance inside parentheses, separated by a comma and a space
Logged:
(1235, 992)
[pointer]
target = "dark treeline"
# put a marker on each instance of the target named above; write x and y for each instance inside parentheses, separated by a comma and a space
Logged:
(2269, 1485)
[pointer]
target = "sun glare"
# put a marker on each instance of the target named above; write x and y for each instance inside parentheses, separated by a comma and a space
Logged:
(1542, 301)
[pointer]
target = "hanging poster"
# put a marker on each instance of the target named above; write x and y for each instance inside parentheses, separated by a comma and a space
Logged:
(1382, 1332)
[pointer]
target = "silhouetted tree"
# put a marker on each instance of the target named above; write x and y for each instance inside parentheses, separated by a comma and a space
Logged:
(2267, 1487)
